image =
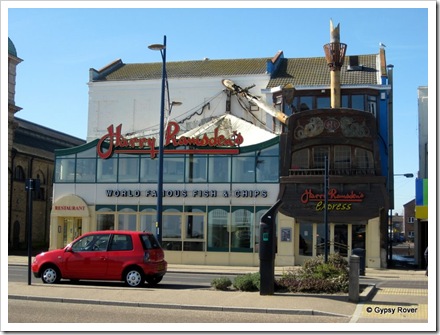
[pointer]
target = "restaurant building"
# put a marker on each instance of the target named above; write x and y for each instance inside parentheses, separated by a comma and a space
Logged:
(228, 160)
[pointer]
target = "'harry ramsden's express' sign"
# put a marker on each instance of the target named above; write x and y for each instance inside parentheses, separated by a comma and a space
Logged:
(337, 201)
(115, 142)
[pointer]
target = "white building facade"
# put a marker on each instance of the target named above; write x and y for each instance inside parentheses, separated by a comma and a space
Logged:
(222, 168)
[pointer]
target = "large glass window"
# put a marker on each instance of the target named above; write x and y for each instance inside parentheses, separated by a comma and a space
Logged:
(357, 102)
(105, 218)
(85, 170)
(149, 169)
(323, 102)
(127, 219)
(342, 157)
(243, 169)
(65, 169)
(173, 169)
(194, 223)
(194, 229)
(86, 167)
(172, 224)
(300, 159)
(372, 105)
(148, 220)
(219, 169)
(363, 159)
(344, 101)
(319, 154)
(320, 239)
(172, 229)
(267, 169)
(306, 239)
(107, 170)
(267, 165)
(196, 169)
(241, 229)
(358, 236)
(305, 103)
(218, 236)
(340, 239)
(128, 169)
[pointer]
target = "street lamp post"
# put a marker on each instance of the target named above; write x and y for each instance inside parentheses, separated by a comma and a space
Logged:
(390, 224)
(162, 49)
(326, 177)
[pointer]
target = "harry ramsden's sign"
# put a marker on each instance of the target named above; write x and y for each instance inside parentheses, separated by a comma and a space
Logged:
(117, 143)
(337, 202)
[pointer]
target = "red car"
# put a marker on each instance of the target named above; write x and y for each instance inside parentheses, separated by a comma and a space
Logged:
(130, 256)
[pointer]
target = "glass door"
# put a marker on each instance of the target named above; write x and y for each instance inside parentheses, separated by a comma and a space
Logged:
(72, 229)
(340, 240)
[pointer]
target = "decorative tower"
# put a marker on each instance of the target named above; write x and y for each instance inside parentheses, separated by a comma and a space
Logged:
(335, 54)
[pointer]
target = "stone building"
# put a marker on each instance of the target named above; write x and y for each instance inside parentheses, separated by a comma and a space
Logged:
(30, 155)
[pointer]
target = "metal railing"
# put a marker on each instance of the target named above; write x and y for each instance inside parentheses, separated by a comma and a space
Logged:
(333, 172)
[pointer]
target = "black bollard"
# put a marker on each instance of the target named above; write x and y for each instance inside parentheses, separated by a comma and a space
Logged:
(267, 251)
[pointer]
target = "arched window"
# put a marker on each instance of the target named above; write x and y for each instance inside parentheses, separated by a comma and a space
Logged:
(40, 193)
(19, 173)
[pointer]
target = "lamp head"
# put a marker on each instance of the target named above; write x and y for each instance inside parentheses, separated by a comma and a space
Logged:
(158, 47)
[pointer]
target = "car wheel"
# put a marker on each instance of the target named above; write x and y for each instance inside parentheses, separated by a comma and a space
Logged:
(51, 275)
(154, 280)
(134, 278)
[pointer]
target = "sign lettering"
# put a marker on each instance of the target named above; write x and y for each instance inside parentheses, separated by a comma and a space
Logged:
(204, 144)
(336, 201)
(185, 193)
(69, 208)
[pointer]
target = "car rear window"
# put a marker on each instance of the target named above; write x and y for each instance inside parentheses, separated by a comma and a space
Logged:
(149, 242)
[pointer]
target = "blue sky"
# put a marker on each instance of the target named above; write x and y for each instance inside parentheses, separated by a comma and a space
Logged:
(59, 45)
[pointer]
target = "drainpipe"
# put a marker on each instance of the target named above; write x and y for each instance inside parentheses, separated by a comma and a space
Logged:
(13, 154)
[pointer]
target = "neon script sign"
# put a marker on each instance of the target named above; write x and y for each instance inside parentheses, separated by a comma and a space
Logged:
(337, 201)
(215, 144)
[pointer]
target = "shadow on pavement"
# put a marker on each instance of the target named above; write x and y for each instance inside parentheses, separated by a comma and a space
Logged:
(116, 284)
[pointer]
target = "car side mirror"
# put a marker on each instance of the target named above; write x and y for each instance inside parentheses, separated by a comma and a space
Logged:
(68, 249)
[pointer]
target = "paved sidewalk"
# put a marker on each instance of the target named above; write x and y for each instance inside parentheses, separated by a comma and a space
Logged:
(336, 305)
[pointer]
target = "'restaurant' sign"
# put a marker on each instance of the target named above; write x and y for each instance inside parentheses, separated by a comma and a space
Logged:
(115, 142)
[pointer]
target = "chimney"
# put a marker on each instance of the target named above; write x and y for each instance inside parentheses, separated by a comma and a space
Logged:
(334, 54)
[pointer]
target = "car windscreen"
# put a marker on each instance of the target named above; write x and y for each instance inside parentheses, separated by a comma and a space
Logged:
(149, 242)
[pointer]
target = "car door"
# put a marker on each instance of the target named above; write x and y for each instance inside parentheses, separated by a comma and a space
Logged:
(120, 253)
(87, 258)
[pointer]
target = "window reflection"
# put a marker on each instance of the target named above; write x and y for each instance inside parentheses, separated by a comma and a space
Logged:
(173, 169)
(85, 170)
(128, 169)
(306, 239)
(127, 219)
(241, 229)
(218, 237)
(243, 169)
(149, 170)
(196, 169)
(107, 170)
(219, 169)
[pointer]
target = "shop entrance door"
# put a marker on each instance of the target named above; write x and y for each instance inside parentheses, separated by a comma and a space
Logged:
(337, 239)
(72, 229)
(340, 240)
